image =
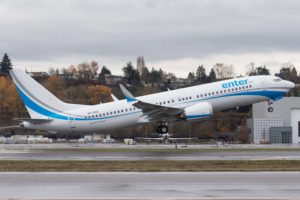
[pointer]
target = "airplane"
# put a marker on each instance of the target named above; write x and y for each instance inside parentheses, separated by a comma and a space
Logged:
(199, 102)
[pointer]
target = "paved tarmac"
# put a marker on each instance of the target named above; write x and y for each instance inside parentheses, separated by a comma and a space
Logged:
(162, 185)
(31, 152)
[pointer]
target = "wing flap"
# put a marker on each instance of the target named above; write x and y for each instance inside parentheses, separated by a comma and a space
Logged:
(153, 112)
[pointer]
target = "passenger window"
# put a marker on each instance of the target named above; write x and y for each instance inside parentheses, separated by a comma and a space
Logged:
(190, 97)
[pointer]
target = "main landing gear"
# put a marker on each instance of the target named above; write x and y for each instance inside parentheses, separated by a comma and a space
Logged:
(270, 108)
(162, 128)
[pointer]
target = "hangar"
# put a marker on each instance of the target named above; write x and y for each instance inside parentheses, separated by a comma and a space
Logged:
(280, 126)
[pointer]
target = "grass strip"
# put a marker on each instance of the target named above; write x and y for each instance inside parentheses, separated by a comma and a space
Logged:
(148, 166)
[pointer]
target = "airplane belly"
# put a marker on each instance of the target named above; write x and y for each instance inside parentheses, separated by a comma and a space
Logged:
(235, 101)
(107, 124)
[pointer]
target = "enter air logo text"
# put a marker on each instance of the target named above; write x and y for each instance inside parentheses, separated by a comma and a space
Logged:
(235, 83)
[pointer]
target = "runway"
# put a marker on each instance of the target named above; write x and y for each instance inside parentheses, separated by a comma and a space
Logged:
(123, 185)
(142, 154)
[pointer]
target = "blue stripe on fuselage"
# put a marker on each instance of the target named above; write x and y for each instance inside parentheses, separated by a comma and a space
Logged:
(35, 107)
(43, 111)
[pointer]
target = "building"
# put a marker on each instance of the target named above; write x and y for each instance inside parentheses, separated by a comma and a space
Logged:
(140, 65)
(280, 126)
(112, 80)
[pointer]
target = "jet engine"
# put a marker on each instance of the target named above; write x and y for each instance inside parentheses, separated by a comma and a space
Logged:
(198, 111)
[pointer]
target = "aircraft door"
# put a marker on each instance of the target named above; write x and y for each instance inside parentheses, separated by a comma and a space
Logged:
(264, 85)
(72, 123)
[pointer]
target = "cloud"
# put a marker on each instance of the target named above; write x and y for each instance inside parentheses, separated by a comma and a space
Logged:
(57, 32)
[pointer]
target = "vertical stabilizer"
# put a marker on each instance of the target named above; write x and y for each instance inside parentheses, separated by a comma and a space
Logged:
(39, 102)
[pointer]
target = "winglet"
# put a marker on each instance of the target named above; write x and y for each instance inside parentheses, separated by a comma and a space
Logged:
(114, 97)
(129, 97)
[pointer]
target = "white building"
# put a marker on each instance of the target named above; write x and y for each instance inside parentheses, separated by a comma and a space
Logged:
(280, 126)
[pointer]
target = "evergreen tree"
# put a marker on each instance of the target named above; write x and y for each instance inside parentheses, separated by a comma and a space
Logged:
(155, 76)
(191, 76)
(212, 77)
(294, 75)
(262, 71)
(131, 75)
(5, 64)
(201, 74)
(284, 73)
(101, 76)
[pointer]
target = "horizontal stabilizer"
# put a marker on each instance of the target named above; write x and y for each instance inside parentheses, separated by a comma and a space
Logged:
(10, 127)
(34, 121)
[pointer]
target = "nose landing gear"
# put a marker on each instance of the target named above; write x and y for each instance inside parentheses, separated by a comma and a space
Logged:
(270, 108)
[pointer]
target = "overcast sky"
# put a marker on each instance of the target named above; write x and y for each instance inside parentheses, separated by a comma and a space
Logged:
(177, 35)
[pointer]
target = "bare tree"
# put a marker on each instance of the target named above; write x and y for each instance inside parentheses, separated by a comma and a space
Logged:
(84, 71)
(223, 71)
(250, 68)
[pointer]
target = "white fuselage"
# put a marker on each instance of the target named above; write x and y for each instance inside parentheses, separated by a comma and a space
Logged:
(119, 114)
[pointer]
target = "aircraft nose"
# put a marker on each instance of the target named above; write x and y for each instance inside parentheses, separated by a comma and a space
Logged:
(290, 84)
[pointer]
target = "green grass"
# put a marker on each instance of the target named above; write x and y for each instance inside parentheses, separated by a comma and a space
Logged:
(148, 166)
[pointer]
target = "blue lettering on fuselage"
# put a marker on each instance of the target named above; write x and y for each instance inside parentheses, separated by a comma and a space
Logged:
(235, 83)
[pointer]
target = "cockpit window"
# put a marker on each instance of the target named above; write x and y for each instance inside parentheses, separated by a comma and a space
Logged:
(277, 79)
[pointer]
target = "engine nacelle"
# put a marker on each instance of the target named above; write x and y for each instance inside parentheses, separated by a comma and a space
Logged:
(198, 111)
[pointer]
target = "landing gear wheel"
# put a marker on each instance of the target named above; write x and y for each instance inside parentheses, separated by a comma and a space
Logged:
(162, 129)
(270, 109)
(158, 129)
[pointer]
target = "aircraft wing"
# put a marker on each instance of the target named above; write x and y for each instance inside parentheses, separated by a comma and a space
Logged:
(153, 112)
(34, 121)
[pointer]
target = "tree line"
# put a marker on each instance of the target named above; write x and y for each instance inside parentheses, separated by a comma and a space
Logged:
(83, 84)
